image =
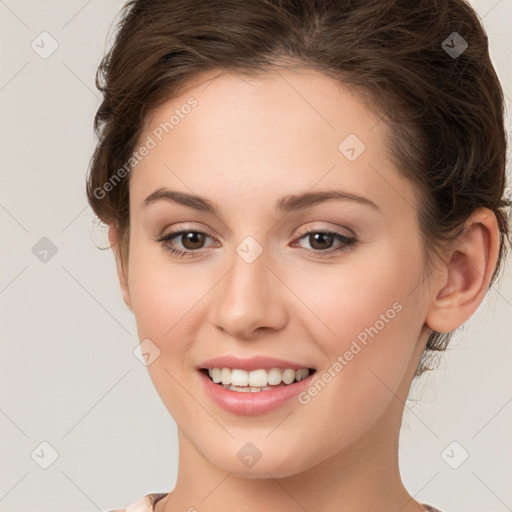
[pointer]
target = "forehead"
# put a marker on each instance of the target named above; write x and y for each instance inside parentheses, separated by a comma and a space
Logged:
(285, 131)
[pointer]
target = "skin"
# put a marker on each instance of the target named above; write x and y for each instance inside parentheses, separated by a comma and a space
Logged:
(246, 144)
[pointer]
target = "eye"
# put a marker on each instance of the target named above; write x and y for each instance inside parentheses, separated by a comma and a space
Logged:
(192, 240)
(322, 242)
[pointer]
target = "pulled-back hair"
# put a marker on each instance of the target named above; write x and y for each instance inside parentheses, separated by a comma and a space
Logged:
(444, 110)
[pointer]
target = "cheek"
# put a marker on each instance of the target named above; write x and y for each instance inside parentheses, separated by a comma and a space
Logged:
(378, 292)
(166, 304)
(375, 326)
(161, 292)
(371, 317)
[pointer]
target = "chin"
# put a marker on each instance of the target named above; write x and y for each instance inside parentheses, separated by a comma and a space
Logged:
(282, 466)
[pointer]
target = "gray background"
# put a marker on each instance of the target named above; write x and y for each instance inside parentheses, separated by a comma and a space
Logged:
(68, 373)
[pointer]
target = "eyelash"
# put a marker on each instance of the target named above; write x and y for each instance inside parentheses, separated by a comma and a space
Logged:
(346, 242)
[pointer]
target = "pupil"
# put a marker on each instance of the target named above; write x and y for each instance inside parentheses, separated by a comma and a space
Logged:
(190, 237)
(315, 237)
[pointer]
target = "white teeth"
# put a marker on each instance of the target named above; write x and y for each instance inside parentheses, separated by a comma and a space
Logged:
(288, 376)
(216, 375)
(301, 374)
(225, 376)
(274, 377)
(255, 380)
(239, 378)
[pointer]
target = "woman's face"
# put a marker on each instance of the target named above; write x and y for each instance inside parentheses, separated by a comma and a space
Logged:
(253, 283)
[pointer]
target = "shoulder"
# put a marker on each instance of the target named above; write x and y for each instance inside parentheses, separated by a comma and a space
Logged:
(145, 504)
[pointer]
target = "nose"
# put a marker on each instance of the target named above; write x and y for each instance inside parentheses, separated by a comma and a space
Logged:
(249, 299)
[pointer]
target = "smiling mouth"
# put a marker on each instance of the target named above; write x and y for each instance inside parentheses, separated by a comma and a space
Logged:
(257, 380)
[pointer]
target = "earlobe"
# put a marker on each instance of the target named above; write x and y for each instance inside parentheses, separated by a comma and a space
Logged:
(465, 277)
(113, 236)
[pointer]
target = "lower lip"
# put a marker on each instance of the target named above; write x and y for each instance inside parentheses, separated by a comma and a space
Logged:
(249, 403)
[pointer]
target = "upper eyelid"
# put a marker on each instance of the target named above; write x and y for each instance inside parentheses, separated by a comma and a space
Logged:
(181, 231)
(302, 231)
(184, 226)
(336, 231)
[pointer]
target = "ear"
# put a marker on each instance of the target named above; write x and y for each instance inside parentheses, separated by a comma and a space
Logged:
(113, 236)
(465, 277)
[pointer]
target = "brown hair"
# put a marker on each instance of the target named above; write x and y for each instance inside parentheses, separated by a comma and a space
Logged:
(445, 112)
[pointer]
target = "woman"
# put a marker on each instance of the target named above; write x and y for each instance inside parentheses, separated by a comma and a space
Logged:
(305, 200)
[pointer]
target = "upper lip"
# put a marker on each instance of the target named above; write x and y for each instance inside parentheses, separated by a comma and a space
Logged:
(251, 363)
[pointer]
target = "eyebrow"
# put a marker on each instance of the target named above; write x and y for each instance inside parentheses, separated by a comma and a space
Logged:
(286, 204)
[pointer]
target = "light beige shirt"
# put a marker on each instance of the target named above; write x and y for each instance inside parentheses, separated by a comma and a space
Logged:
(145, 504)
